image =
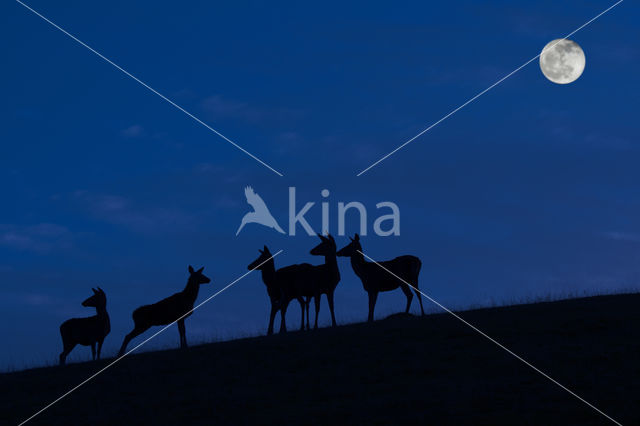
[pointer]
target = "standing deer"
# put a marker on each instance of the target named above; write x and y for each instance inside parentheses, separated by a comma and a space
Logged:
(176, 307)
(87, 331)
(375, 279)
(283, 286)
(325, 277)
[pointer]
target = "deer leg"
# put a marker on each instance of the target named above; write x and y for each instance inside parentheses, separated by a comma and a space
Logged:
(316, 300)
(274, 311)
(283, 314)
(407, 292)
(99, 347)
(419, 298)
(137, 330)
(68, 347)
(373, 296)
(302, 306)
(333, 316)
(308, 303)
(183, 334)
(93, 350)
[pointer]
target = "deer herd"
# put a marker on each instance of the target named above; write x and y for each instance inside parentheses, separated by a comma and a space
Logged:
(301, 282)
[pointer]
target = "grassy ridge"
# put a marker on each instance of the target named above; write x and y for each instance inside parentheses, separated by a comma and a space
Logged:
(429, 370)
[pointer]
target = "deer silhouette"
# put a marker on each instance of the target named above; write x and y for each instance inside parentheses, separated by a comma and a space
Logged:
(375, 279)
(325, 277)
(87, 331)
(176, 307)
(283, 286)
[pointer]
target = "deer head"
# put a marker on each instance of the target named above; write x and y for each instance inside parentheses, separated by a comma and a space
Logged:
(98, 300)
(261, 261)
(326, 247)
(197, 276)
(351, 249)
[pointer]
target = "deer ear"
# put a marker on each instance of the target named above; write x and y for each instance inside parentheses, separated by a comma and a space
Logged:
(331, 238)
(94, 290)
(200, 270)
(357, 237)
(322, 238)
(351, 239)
(191, 269)
(100, 290)
(266, 250)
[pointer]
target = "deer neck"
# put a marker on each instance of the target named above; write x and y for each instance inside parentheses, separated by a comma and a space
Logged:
(101, 311)
(103, 318)
(331, 261)
(191, 290)
(269, 273)
(358, 263)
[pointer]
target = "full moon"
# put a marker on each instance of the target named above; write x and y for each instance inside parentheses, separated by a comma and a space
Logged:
(562, 61)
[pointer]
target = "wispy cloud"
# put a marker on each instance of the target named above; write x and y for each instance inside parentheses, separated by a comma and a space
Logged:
(622, 236)
(119, 210)
(39, 238)
(217, 107)
(39, 299)
(134, 131)
(219, 173)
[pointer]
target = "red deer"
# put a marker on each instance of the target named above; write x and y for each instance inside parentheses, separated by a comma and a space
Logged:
(326, 277)
(375, 279)
(87, 331)
(283, 286)
(176, 307)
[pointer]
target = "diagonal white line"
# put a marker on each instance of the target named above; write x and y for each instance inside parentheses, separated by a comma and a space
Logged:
(128, 74)
(484, 91)
(146, 340)
(500, 345)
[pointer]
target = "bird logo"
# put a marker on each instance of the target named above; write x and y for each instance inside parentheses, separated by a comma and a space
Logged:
(260, 213)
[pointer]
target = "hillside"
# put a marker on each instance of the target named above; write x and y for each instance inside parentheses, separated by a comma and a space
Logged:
(401, 370)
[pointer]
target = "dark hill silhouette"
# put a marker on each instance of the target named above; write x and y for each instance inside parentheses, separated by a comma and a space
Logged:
(401, 370)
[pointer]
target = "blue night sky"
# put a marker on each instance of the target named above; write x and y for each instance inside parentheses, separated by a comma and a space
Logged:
(532, 190)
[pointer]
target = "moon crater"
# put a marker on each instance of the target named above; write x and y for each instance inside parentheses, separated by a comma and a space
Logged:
(562, 61)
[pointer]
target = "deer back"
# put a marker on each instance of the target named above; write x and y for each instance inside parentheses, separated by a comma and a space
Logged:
(165, 311)
(389, 274)
(297, 280)
(84, 330)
